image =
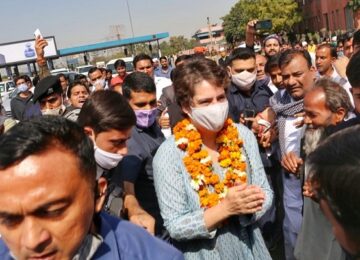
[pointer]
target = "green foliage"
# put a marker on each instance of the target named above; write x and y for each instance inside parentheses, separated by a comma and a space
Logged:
(176, 44)
(354, 4)
(283, 13)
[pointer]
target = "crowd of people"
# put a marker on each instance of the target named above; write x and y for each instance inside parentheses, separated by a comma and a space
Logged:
(251, 156)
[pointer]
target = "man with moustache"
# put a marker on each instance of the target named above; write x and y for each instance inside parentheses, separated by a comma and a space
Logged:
(298, 77)
(326, 104)
(51, 203)
(272, 43)
(326, 56)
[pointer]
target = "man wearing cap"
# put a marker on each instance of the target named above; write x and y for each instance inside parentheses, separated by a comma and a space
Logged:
(223, 57)
(47, 98)
(272, 42)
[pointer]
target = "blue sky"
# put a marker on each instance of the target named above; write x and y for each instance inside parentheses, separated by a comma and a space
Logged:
(77, 22)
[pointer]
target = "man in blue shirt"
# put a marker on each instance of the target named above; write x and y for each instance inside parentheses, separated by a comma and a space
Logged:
(247, 96)
(136, 168)
(165, 69)
(51, 202)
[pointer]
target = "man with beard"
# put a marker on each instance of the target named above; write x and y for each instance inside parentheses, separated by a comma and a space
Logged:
(271, 43)
(325, 105)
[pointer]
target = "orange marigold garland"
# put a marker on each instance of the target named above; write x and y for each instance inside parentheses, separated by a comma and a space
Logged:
(199, 164)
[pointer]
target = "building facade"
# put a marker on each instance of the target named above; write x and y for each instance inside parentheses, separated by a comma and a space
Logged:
(332, 15)
(210, 36)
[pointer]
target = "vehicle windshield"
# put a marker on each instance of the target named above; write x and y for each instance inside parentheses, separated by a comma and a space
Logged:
(84, 69)
(2, 87)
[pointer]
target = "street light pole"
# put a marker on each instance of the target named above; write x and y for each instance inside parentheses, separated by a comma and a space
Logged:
(131, 24)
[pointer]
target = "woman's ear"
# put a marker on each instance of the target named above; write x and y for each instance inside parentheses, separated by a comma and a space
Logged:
(100, 195)
(186, 110)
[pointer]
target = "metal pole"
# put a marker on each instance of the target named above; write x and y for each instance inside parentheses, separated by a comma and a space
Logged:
(158, 45)
(131, 24)
(210, 34)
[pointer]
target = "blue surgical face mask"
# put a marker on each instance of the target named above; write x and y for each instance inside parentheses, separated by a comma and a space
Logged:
(22, 87)
(340, 53)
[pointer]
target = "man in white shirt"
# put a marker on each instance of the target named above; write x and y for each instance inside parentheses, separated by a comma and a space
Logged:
(325, 58)
(143, 63)
(298, 76)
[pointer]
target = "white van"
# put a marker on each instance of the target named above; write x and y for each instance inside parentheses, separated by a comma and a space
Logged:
(58, 71)
(128, 64)
(6, 91)
(83, 69)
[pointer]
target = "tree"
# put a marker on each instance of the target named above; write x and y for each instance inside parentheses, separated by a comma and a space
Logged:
(355, 6)
(177, 44)
(283, 13)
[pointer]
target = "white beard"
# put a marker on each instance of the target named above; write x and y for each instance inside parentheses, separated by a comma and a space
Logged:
(312, 139)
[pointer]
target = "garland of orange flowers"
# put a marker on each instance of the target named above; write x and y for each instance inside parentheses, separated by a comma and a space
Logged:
(199, 164)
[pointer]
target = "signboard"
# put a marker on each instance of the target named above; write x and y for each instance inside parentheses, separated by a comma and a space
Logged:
(24, 51)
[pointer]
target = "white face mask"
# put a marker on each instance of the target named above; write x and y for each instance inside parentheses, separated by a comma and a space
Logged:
(54, 112)
(244, 80)
(99, 82)
(211, 117)
(105, 159)
(22, 87)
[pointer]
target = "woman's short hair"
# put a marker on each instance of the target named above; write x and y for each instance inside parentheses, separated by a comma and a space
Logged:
(194, 71)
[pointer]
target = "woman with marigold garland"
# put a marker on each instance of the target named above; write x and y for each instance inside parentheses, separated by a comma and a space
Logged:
(209, 178)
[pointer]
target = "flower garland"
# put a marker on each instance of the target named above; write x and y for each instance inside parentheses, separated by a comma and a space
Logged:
(199, 163)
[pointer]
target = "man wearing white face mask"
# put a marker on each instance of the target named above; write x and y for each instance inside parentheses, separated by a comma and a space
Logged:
(48, 98)
(97, 79)
(247, 98)
(108, 119)
(246, 95)
(140, 201)
(22, 98)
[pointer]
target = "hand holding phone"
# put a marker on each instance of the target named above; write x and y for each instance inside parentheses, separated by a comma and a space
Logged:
(263, 25)
(38, 34)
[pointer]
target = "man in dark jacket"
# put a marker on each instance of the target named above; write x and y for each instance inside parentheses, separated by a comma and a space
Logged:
(23, 97)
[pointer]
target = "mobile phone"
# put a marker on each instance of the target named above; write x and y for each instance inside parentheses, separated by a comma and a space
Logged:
(248, 113)
(37, 34)
(263, 25)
